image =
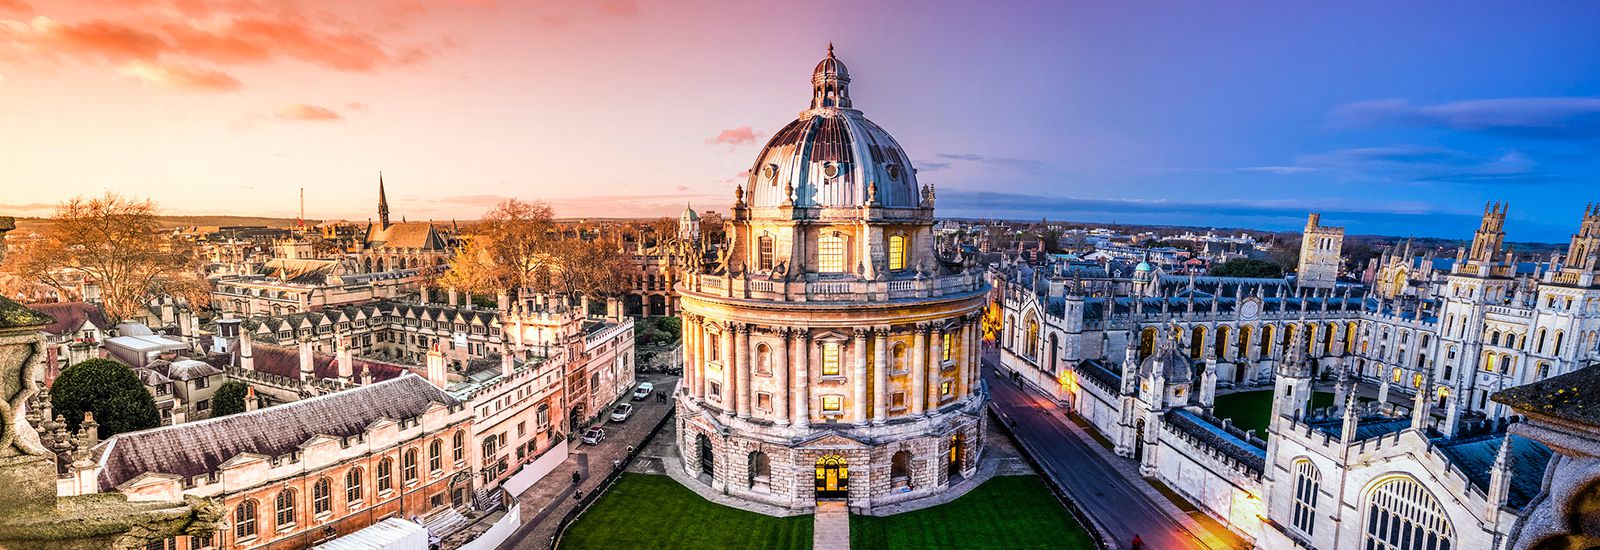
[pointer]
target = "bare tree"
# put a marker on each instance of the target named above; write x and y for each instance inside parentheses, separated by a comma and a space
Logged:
(117, 243)
(509, 248)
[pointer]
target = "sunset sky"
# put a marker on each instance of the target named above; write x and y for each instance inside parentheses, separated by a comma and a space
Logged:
(1391, 117)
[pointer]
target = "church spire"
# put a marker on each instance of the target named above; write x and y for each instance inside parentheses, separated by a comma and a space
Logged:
(383, 205)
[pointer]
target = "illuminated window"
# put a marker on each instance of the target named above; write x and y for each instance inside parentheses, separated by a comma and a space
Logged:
(1397, 375)
(897, 252)
(948, 341)
(1416, 380)
(947, 388)
(1306, 482)
(764, 252)
(832, 403)
(244, 520)
(830, 359)
(830, 254)
(1403, 515)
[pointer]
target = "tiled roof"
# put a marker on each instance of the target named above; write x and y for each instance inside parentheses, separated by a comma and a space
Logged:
(405, 235)
(197, 448)
(285, 362)
(70, 316)
(1107, 375)
(307, 272)
(1366, 427)
(1254, 458)
(1475, 457)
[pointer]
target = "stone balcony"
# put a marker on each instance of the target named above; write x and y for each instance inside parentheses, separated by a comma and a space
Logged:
(851, 289)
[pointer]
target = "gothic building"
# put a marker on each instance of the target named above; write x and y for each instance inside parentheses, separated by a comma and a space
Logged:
(1412, 453)
(831, 352)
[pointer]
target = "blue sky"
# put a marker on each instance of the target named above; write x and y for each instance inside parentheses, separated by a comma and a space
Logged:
(1399, 118)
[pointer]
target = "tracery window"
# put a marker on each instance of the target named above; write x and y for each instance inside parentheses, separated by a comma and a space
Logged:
(385, 478)
(352, 485)
(897, 252)
(1307, 480)
(321, 496)
(1032, 345)
(1403, 515)
(285, 508)
(458, 446)
(244, 519)
(408, 466)
(830, 253)
(435, 456)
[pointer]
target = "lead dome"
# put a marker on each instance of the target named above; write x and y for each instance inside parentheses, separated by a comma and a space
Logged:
(832, 156)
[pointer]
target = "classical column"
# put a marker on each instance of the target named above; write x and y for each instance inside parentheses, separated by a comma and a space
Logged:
(802, 378)
(919, 368)
(858, 406)
(964, 359)
(699, 330)
(880, 375)
(780, 373)
(687, 381)
(935, 367)
(730, 397)
(743, 350)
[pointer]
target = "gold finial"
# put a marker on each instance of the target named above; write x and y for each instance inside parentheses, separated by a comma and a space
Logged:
(830, 48)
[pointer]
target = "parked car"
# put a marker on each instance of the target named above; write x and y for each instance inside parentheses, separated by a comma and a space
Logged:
(622, 412)
(593, 436)
(643, 391)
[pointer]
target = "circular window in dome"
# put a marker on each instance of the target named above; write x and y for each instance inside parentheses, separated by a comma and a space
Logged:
(831, 170)
(770, 171)
(894, 172)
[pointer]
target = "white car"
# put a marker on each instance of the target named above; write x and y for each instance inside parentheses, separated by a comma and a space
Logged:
(643, 391)
(622, 412)
(593, 436)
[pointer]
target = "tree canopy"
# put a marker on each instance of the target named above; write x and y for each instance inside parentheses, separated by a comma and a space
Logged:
(520, 246)
(229, 399)
(1247, 267)
(111, 391)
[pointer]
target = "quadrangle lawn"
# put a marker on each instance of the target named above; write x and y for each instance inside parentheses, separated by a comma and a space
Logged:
(1005, 512)
(655, 512)
(1251, 410)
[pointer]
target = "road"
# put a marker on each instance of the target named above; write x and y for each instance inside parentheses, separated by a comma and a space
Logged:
(1072, 459)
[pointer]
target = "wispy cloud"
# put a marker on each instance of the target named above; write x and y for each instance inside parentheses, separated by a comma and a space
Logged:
(1551, 118)
(180, 77)
(1021, 165)
(1280, 170)
(1430, 164)
(742, 135)
(306, 112)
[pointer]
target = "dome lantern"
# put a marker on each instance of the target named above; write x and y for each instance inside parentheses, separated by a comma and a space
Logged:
(830, 83)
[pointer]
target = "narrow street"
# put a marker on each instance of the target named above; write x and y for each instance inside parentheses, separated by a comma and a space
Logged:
(1073, 460)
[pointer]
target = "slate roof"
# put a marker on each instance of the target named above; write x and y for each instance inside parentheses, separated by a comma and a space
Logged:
(306, 272)
(69, 316)
(198, 448)
(1475, 457)
(285, 362)
(1366, 427)
(405, 235)
(1254, 458)
(1572, 396)
(1100, 371)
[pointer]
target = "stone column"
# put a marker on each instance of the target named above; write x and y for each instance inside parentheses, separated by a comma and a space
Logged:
(964, 359)
(730, 397)
(974, 353)
(743, 350)
(780, 373)
(935, 367)
(688, 358)
(880, 375)
(802, 378)
(700, 344)
(919, 368)
(858, 406)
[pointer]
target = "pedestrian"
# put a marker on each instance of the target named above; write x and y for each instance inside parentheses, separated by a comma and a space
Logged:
(578, 495)
(576, 477)
(630, 450)
(1138, 543)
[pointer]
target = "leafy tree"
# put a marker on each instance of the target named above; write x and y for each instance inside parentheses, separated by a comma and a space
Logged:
(111, 391)
(1247, 267)
(118, 242)
(672, 326)
(229, 399)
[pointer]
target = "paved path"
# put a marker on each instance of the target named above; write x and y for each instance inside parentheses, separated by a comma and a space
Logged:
(831, 526)
(1103, 485)
(552, 497)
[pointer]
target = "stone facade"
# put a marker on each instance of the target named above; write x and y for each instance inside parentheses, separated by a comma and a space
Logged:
(831, 351)
(1320, 248)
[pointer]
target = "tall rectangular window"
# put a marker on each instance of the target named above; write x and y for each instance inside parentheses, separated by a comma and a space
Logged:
(830, 254)
(947, 342)
(764, 252)
(830, 359)
(832, 403)
(897, 252)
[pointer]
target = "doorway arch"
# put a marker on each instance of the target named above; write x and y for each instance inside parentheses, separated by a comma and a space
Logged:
(833, 477)
(958, 455)
(707, 457)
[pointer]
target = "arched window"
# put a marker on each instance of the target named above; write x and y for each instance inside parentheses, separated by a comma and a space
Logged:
(760, 471)
(385, 475)
(322, 496)
(244, 519)
(764, 252)
(1402, 515)
(830, 253)
(352, 485)
(1494, 338)
(1556, 349)
(1220, 344)
(1244, 342)
(436, 456)
(1397, 374)
(897, 252)
(763, 359)
(1307, 480)
(1266, 341)
(284, 505)
(408, 465)
(900, 469)
(1350, 337)
(458, 446)
(491, 445)
(1032, 346)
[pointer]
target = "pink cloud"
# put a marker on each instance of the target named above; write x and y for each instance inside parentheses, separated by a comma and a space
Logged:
(17, 6)
(181, 77)
(742, 135)
(306, 112)
(620, 8)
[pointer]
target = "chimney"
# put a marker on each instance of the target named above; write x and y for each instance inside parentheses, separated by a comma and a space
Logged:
(308, 368)
(503, 301)
(508, 364)
(246, 359)
(454, 296)
(346, 360)
(435, 366)
(250, 400)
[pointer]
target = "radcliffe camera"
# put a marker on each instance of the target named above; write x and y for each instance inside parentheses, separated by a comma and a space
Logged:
(885, 275)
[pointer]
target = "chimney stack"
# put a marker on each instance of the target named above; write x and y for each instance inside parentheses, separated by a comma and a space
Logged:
(250, 403)
(308, 369)
(508, 364)
(246, 359)
(346, 360)
(435, 368)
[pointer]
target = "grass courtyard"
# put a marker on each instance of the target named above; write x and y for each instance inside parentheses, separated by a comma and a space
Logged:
(1252, 409)
(1005, 512)
(652, 511)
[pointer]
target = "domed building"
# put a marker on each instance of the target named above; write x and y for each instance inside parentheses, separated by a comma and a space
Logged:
(831, 351)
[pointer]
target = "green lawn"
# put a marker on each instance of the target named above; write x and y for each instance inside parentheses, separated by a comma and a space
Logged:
(655, 512)
(1252, 409)
(1005, 512)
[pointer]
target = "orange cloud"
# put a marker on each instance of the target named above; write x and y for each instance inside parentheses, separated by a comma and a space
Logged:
(742, 135)
(17, 6)
(306, 112)
(181, 77)
(620, 8)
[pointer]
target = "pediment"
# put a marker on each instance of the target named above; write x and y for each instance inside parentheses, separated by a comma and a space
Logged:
(832, 440)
